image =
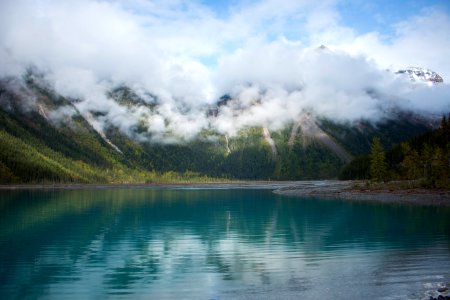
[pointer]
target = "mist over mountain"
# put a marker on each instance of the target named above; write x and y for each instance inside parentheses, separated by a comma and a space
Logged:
(172, 57)
(326, 84)
(161, 86)
(45, 137)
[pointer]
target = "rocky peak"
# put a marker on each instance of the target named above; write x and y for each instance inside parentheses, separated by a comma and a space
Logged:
(421, 74)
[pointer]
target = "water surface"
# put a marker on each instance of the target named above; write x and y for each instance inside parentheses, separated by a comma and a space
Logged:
(216, 244)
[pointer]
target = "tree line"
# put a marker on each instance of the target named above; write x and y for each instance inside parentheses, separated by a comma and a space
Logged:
(424, 160)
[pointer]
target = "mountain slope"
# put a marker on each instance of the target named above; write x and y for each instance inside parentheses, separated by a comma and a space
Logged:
(424, 160)
(39, 143)
(35, 149)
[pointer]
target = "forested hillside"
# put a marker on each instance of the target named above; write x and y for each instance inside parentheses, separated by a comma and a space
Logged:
(423, 160)
(40, 144)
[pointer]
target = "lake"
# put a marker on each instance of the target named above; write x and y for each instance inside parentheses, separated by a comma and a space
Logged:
(216, 244)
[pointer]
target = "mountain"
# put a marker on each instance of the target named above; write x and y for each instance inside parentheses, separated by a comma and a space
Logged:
(421, 75)
(44, 137)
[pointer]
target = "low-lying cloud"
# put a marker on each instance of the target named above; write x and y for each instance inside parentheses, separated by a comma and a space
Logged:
(188, 56)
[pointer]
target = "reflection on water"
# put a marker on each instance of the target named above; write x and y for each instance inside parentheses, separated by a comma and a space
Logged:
(216, 244)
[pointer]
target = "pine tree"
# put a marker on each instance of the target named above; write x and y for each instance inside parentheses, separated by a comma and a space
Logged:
(427, 159)
(439, 168)
(445, 130)
(411, 162)
(378, 168)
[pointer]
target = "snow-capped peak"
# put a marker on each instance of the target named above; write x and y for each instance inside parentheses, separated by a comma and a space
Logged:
(420, 74)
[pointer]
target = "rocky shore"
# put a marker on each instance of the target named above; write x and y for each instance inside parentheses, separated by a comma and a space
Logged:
(354, 191)
(442, 293)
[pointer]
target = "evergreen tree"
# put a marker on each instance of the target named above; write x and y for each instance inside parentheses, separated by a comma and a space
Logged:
(411, 162)
(439, 169)
(378, 168)
(427, 158)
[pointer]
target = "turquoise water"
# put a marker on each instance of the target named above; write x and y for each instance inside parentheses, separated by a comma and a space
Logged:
(216, 244)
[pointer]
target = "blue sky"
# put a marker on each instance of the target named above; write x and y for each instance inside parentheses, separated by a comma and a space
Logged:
(380, 15)
(361, 15)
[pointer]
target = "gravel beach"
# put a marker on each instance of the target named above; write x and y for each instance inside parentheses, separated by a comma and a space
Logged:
(347, 190)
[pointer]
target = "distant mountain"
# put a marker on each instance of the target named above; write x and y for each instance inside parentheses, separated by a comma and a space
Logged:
(421, 75)
(41, 142)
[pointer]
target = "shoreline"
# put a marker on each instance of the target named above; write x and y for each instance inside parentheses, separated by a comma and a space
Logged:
(325, 189)
(274, 185)
(345, 190)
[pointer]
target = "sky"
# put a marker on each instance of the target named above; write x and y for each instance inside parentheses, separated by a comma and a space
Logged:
(189, 53)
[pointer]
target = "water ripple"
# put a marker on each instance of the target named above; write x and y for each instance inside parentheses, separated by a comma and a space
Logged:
(217, 244)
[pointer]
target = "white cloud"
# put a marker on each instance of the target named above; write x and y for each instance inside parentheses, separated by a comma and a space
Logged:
(259, 52)
(419, 41)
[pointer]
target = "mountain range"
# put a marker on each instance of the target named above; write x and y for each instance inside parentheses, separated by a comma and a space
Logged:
(46, 138)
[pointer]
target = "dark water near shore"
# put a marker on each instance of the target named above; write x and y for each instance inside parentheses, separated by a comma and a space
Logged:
(216, 244)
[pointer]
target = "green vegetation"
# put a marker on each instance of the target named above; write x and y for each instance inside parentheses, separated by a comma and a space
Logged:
(35, 148)
(423, 161)
(377, 161)
(358, 136)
